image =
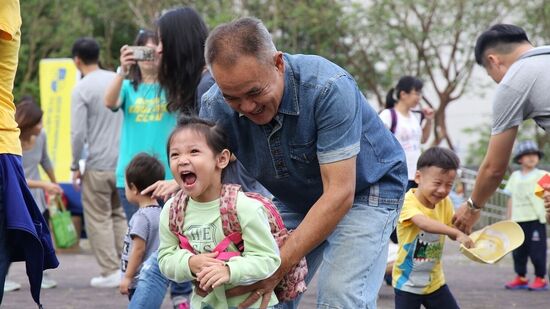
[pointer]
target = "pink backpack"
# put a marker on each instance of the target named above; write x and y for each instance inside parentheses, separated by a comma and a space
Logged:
(292, 284)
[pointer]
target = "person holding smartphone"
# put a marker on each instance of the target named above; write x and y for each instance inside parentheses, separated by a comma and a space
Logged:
(147, 121)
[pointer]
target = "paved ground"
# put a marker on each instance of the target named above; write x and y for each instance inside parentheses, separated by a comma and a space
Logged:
(474, 286)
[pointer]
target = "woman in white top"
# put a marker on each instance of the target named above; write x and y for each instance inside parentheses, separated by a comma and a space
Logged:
(410, 126)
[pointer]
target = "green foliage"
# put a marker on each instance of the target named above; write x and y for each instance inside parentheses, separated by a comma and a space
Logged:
(527, 131)
(536, 21)
(50, 28)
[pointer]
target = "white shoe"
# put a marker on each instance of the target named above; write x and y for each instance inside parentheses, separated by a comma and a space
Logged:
(11, 286)
(110, 281)
(47, 282)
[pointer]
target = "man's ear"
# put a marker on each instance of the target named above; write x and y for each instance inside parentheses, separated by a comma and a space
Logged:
(223, 159)
(279, 61)
(77, 61)
(492, 60)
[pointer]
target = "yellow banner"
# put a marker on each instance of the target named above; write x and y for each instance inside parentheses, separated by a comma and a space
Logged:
(57, 79)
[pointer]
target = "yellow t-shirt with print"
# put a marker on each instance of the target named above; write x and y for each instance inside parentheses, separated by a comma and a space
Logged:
(10, 35)
(418, 266)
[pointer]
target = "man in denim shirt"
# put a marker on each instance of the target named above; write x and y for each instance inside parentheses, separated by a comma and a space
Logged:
(300, 125)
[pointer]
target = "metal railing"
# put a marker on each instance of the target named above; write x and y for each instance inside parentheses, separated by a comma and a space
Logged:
(495, 208)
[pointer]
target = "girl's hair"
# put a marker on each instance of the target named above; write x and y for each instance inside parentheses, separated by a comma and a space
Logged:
(183, 34)
(141, 39)
(406, 83)
(216, 139)
(27, 114)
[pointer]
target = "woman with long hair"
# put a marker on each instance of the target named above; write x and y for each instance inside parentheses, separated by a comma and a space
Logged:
(410, 126)
(147, 120)
(183, 76)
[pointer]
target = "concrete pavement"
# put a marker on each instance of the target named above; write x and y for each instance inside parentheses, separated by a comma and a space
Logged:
(473, 285)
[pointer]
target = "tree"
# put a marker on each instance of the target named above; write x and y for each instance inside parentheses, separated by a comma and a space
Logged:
(427, 38)
(528, 130)
(50, 28)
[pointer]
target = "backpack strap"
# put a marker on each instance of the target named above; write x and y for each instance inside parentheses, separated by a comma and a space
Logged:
(271, 208)
(176, 214)
(228, 212)
(393, 114)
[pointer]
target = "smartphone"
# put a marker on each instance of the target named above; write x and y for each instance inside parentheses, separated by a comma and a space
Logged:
(143, 53)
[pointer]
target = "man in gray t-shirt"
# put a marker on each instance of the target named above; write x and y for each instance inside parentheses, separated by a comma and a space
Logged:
(523, 78)
(95, 125)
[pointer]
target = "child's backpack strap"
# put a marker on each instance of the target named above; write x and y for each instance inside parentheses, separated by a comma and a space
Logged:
(228, 209)
(176, 216)
(176, 213)
(393, 114)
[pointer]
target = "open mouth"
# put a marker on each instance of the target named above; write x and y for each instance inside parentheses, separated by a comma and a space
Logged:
(188, 178)
(258, 110)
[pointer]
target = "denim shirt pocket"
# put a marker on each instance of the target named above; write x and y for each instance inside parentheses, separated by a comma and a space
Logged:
(304, 159)
(303, 152)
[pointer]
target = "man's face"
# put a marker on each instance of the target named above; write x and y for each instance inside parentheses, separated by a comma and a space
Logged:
(251, 87)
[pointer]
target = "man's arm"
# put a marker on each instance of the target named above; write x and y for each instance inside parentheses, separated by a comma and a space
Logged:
(79, 120)
(488, 179)
(336, 200)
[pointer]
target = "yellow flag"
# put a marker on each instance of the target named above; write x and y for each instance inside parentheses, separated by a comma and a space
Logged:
(57, 79)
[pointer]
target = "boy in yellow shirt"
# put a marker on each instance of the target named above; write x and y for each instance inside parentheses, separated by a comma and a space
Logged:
(423, 223)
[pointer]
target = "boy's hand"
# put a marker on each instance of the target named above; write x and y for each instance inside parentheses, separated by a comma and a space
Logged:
(465, 240)
(124, 284)
(200, 261)
(213, 276)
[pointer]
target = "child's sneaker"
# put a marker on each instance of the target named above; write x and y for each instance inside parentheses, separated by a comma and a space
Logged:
(539, 284)
(519, 283)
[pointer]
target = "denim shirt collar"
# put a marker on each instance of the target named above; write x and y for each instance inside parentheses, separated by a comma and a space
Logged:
(289, 101)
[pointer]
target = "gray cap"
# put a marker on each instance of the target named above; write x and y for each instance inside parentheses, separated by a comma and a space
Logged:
(526, 147)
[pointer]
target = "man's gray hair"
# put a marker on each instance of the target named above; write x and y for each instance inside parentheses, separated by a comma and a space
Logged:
(245, 36)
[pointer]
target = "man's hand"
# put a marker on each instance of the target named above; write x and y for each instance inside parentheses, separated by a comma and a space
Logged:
(200, 261)
(210, 277)
(465, 218)
(163, 189)
(261, 289)
(124, 284)
(77, 180)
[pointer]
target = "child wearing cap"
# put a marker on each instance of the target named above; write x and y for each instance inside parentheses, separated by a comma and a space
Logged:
(528, 211)
(423, 223)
